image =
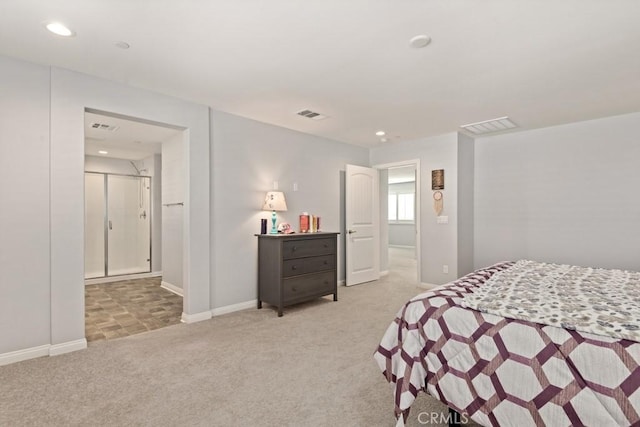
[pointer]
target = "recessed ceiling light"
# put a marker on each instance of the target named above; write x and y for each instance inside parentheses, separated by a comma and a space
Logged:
(384, 140)
(103, 152)
(122, 45)
(419, 41)
(380, 133)
(59, 29)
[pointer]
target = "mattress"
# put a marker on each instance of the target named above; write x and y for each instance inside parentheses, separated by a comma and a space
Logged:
(501, 371)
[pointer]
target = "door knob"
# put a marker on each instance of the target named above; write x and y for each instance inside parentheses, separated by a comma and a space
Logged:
(352, 231)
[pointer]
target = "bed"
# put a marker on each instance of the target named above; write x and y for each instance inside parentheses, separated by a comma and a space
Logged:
(580, 368)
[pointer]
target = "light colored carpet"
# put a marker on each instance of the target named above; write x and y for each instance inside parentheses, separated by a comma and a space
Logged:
(312, 367)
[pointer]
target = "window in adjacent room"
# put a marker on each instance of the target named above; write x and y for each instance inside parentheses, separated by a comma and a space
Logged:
(401, 207)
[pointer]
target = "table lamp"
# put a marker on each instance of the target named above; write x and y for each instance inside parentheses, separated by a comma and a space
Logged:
(274, 202)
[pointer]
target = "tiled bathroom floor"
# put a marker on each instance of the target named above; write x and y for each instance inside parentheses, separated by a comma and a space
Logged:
(120, 309)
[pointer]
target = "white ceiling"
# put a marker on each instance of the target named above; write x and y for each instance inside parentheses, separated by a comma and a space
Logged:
(539, 62)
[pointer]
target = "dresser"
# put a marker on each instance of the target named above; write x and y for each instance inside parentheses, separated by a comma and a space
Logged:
(293, 268)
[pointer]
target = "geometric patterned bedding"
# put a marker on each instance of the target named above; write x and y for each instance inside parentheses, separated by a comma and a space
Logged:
(506, 372)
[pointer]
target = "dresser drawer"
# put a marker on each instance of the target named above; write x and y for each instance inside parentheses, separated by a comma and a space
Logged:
(309, 285)
(297, 266)
(309, 247)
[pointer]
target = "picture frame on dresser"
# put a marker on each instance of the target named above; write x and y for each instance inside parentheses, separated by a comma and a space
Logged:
(295, 268)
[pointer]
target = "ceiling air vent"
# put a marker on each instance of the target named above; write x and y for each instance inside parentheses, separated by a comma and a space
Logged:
(103, 126)
(311, 115)
(490, 126)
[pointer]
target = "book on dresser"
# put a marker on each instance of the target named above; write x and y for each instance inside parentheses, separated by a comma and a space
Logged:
(294, 268)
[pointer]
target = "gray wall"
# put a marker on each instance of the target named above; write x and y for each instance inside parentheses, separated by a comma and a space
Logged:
(247, 157)
(566, 194)
(24, 195)
(466, 154)
(402, 235)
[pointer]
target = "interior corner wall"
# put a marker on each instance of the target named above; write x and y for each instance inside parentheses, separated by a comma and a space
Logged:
(247, 157)
(563, 194)
(438, 244)
(24, 194)
(172, 213)
(155, 164)
(465, 204)
(383, 180)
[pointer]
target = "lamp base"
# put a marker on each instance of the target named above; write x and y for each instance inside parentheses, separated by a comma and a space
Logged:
(274, 230)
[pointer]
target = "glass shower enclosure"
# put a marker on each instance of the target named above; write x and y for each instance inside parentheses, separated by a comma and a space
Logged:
(117, 224)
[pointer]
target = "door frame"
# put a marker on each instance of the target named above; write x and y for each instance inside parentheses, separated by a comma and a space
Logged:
(415, 163)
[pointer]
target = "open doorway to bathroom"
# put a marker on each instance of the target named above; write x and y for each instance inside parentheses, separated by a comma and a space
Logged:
(126, 226)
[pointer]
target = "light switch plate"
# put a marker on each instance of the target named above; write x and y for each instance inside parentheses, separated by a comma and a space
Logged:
(443, 220)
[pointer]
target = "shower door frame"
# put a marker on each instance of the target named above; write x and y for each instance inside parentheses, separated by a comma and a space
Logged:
(106, 224)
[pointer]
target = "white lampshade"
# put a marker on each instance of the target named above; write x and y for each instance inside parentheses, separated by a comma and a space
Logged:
(275, 201)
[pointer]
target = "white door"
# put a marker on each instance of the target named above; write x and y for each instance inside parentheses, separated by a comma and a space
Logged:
(362, 223)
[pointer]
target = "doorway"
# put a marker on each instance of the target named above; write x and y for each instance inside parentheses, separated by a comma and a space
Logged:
(125, 227)
(400, 219)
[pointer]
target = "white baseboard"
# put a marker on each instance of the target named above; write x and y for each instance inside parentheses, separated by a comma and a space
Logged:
(67, 347)
(197, 317)
(402, 246)
(111, 279)
(42, 350)
(26, 354)
(172, 288)
(234, 307)
(384, 273)
(428, 286)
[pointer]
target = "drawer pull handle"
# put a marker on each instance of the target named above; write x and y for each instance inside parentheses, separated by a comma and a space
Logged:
(325, 262)
(293, 249)
(293, 288)
(294, 267)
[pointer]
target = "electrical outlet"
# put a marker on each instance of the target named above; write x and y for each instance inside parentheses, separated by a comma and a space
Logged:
(445, 269)
(295, 186)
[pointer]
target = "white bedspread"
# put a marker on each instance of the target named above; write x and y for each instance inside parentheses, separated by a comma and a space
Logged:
(594, 300)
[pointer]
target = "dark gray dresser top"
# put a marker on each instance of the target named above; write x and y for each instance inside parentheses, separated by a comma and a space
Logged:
(297, 235)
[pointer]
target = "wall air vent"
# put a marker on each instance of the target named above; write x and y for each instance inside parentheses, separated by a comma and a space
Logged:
(311, 115)
(490, 126)
(103, 126)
